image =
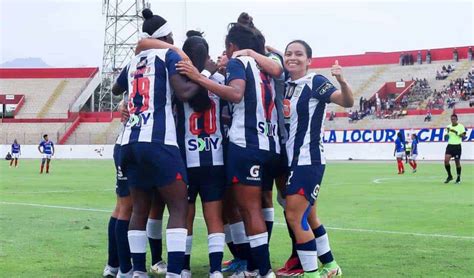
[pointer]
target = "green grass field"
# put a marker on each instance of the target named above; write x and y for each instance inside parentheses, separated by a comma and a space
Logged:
(380, 224)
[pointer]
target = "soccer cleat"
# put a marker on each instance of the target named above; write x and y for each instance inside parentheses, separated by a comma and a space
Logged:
(329, 270)
(226, 263)
(237, 274)
(159, 268)
(110, 271)
(237, 265)
(414, 170)
(458, 180)
(448, 179)
(140, 274)
(125, 275)
(216, 274)
(253, 273)
(292, 267)
(186, 273)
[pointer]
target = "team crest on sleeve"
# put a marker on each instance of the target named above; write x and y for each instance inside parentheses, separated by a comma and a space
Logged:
(286, 108)
(325, 87)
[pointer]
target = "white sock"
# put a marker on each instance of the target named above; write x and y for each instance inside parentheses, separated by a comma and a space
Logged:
(268, 214)
(322, 244)
(176, 239)
(258, 240)
(137, 240)
(154, 228)
(238, 233)
(189, 245)
(216, 242)
(228, 235)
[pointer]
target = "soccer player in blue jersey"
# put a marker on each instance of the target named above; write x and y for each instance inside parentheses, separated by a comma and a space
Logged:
(306, 98)
(46, 147)
(399, 151)
(150, 157)
(16, 152)
(254, 143)
(414, 152)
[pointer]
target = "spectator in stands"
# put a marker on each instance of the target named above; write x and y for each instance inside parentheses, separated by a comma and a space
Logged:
(428, 116)
(469, 54)
(361, 101)
(455, 55)
(332, 115)
(428, 57)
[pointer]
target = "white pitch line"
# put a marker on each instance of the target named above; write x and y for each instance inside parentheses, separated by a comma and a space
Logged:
(276, 223)
(54, 191)
(57, 207)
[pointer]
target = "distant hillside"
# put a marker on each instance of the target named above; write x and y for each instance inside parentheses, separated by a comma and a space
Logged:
(25, 63)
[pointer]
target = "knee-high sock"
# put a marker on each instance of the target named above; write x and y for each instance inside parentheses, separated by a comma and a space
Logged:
(260, 252)
(215, 242)
(448, 169)
(458, 171)
(176, 244)
(308, 255)
(268, 216)
(154, 232)
(137, 241)
(113, 259)
(123, 248)
(322, 244)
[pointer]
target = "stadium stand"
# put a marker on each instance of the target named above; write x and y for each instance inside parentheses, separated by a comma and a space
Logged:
(95, 133)
(48, 92)
(51, 99)
(30, 133)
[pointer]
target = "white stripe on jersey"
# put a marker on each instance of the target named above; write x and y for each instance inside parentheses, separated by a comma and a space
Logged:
(146, 131)
(303, 87)
(237, 130)
(193, 158)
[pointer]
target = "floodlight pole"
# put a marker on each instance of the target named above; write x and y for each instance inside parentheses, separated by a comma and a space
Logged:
(122, 28)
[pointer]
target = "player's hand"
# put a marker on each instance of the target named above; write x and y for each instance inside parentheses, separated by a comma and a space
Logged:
(242, 52)
(189, 70)
(336, 71)
(124, 114)
(211, 66)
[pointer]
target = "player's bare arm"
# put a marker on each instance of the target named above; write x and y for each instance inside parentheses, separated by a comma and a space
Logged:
(234, 92)
(268, 65)
(344, 96)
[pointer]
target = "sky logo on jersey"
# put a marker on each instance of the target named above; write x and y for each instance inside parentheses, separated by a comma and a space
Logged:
(203, 144)
(267, 129)
(139, 120)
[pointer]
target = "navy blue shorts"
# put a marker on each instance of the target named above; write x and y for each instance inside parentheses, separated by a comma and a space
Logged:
(305, 180)
(251, 166)
(149, 165)
(208, 182)
(121, 184)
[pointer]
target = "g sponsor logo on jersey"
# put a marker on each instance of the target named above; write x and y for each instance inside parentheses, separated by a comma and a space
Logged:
(315, 192)
(203, 144)
(120, 174)
(254, 173)
(139, 120)
(325, 88)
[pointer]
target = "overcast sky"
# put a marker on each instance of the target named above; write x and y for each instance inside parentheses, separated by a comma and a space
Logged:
(70, 33)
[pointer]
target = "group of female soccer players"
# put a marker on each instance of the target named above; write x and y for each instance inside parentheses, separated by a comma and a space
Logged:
(227, 132)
